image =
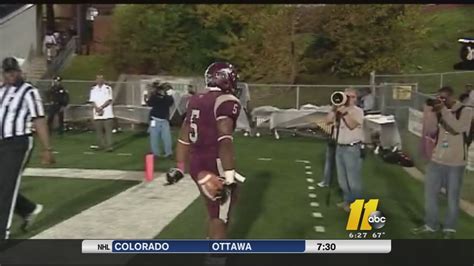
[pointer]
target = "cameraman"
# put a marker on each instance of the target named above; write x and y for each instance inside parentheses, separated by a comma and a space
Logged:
(160, 102)
(348, 119)
(449, 120)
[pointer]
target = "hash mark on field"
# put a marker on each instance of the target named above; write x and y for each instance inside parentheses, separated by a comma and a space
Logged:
(301, 161)
(317, 215)
(54, 152)
(264, 159)
(309, 173)
(307, 167)
(319, 229)
(310, 180)
(124, 154)
(88, 153)
(312, 195)
(310, 187)
(314, 204)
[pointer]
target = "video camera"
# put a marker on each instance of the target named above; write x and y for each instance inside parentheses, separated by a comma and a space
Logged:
(432, 102)
(339, 98)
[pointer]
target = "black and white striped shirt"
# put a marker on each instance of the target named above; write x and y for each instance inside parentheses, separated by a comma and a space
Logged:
(20, 104)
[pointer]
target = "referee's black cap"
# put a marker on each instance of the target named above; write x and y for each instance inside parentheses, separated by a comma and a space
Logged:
(10, 64)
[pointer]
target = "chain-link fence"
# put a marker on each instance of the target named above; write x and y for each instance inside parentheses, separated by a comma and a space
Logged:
(296, 96)
(429, 82)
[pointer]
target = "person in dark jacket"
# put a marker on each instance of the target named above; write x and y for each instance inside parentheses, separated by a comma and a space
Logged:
(59, 99)
(160, 102)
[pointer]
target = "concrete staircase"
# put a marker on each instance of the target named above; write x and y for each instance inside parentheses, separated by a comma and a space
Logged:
(36, 68)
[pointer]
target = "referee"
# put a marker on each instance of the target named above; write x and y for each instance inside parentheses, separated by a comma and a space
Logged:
(21, 108)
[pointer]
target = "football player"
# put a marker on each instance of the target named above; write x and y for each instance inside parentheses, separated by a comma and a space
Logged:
(205, 142)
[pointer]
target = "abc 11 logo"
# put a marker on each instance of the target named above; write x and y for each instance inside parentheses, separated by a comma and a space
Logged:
(371, 217)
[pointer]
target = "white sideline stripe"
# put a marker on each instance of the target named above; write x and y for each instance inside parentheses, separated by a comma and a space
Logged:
(140, 212)
(124, 154)
(307, 167)
(312, 195)
(317, 215)
(264, 159)
(311, 188)
(310, 180)
(309, 173)
(301, 161)
(85, 173)
(314, 204)
(319, 229)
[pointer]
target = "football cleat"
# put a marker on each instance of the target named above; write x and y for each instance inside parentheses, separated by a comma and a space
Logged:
(174, 175)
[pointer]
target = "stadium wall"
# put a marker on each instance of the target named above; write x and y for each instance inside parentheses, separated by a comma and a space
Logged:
(20, 33)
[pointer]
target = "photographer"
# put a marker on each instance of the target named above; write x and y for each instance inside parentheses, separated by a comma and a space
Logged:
(450, 121)
(347, 119)
(160, 102)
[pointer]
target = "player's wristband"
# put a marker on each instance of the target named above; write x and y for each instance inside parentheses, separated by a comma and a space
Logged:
(229, 176)
(180, 166)
(183, 142)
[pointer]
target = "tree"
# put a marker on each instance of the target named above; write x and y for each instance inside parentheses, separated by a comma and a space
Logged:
(356, 39)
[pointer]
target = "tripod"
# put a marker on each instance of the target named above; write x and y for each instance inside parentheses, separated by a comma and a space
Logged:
(336, 127)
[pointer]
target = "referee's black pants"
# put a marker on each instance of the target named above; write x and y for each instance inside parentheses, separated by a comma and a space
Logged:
(14, 153)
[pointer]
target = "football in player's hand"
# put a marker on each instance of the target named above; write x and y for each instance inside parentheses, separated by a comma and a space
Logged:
(211, 184)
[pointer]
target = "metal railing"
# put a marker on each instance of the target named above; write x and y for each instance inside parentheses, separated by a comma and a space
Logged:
(58, 62)
(428, 81)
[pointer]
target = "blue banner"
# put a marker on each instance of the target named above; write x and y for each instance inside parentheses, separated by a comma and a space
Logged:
(208, 246)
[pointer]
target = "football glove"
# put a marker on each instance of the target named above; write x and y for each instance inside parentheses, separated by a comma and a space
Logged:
(174, 175)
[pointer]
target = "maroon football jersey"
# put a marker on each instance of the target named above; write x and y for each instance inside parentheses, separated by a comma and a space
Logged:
(203, 111)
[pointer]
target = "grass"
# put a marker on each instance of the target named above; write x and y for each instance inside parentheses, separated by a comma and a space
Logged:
(274, 202)
(71, 148)
(63, 198)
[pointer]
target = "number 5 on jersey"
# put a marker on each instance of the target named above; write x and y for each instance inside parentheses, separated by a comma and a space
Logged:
(193, 135)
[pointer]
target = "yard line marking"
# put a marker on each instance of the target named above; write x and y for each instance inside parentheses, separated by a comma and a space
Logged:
(317, 215)
(307, 167)
(319, 229)
(302, 161)
(264, 159)
(314, 204)
(124, 154)
(310, 187)
(310, 180)
(312, 195)
(55, 152)
(88, 153)
(309, 173)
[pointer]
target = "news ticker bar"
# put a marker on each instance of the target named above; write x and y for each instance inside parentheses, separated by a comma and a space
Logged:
(236, 246)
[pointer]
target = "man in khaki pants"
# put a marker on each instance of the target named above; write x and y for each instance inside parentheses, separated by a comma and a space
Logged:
(101, 98)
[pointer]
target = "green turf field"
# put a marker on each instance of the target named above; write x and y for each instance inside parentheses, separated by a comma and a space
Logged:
(274, 201)
(63, 198)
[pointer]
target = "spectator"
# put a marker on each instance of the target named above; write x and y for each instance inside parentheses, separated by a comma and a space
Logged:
(450, 122)
(160, 102)
(59, 99)
(101, 98)
(348, 148)
(49, 45)
(367, 100)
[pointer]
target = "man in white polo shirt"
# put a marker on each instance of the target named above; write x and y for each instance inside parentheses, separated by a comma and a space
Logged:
(101, 98)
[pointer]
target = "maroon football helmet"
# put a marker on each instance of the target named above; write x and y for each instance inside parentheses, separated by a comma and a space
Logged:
(222, 75)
